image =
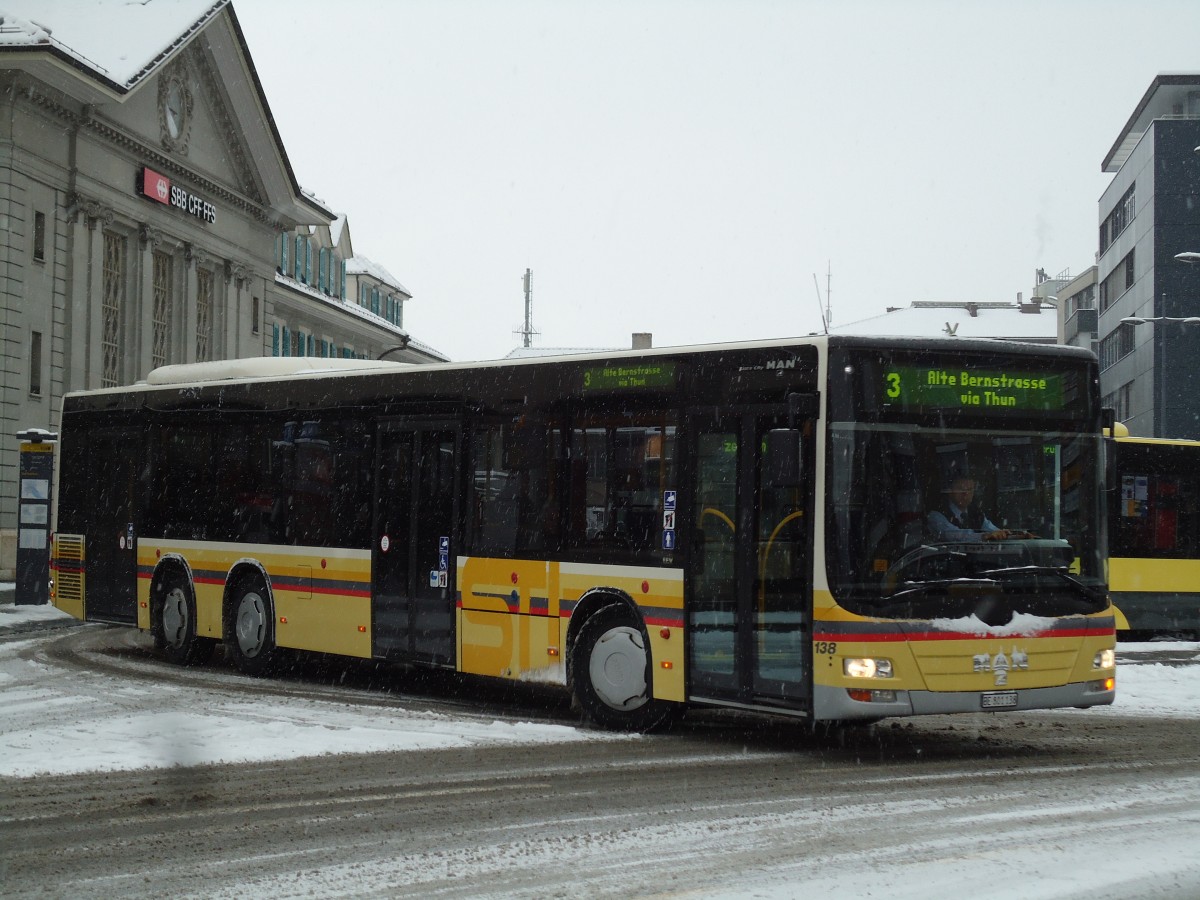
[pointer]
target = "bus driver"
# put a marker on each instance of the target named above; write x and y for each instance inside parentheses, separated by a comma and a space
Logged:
(960, 519)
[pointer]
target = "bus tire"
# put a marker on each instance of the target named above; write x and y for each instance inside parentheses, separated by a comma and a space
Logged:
(611, 673)
(173, 621)
(251, 630)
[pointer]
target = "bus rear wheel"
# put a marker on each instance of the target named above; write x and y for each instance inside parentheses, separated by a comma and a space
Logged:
(173, 622)
(611, 674)
(251, 635)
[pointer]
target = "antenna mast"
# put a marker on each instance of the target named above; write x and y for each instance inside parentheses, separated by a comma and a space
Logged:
(527, 332)
(828, 293)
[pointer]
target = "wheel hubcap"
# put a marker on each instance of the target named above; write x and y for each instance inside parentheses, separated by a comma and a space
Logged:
(251, 624)
(174, 617)
(618, 668)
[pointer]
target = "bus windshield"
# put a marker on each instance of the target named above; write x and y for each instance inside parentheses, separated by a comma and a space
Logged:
(934, 522)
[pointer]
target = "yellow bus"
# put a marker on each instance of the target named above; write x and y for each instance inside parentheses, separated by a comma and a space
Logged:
(743, 525)
(1154, 516)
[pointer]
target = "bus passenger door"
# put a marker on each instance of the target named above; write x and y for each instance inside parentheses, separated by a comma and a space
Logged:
(415, 511)
(111, 556)
(749, 607)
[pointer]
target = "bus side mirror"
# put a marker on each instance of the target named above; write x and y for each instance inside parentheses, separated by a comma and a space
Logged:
(783, 466)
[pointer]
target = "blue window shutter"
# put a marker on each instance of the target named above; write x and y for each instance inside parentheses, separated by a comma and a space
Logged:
(400, 312)
(312, 346)
(283, 247)
(287, 345)
(323, 273)
(307, 261)
(343, 278)
(298, 269)
(333, 279)
(275, 339)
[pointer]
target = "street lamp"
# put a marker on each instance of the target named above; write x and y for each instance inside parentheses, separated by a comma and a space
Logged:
(1142, 320)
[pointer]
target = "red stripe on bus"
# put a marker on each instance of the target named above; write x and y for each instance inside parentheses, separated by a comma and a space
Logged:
(885, 637)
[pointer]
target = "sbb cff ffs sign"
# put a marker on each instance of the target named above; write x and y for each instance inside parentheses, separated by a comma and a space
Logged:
(158, 187)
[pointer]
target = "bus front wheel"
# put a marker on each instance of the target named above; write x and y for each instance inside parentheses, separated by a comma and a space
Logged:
(610, 673)
(251, 640)
(173, 622)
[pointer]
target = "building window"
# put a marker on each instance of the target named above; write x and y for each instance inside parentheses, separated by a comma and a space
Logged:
(160, 349)
(204, 315)
(39, 236)
(1119, 280)
(35, 363)
(1117, 345)
(1118, 220)
(254, 315)
(113, 288)
(1119, 401)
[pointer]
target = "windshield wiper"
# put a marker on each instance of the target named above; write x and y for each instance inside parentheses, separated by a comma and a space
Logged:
(1092, 593)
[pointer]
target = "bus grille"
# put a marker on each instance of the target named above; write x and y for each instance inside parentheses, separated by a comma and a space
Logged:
(68, 564)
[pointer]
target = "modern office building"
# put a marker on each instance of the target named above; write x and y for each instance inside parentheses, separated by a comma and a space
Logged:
(1149, 214)
(151, 216)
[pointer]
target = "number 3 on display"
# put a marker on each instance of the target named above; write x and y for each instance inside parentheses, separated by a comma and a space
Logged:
(893, 384)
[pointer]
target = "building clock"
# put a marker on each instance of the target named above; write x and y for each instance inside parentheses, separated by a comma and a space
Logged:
(175, 107)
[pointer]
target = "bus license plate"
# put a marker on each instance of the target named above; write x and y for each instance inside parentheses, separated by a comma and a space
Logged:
(999, 700)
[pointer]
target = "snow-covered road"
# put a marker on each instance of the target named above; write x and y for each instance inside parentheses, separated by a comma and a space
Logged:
(338, 791)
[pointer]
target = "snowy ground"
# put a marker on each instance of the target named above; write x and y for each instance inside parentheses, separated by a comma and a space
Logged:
(97, 726)
(1046, 833)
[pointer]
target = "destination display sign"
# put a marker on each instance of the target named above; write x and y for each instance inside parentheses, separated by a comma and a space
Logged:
(632, 377)
(958, 388)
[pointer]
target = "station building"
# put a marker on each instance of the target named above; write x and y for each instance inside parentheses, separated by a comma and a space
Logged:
(151, 216)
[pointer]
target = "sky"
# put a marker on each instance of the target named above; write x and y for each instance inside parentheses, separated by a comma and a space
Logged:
(686, 167)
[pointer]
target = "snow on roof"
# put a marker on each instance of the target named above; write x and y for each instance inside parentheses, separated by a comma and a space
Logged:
(930, 319)
(360, 265)
(335, 229)
(261, 367)
(118, 40)
(538, 352)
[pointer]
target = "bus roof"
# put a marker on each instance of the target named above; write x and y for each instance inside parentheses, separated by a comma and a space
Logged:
(271, 368)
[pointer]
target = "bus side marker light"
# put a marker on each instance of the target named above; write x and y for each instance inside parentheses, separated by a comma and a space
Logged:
(645, 587)
(144, 604)
(667, 664)
(552, 651)
(362, 629)
(283, 620)
(664, 633)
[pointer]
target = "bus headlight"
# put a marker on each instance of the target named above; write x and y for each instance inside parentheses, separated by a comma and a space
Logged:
(1105, 659)
(864, 667)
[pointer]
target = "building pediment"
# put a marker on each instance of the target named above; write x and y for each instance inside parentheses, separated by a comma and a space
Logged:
(159, 75)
